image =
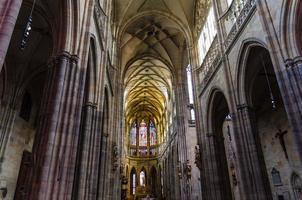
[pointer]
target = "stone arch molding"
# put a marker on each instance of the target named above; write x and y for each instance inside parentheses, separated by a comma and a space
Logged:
(241, 67)
(290, 25)
(210, 105)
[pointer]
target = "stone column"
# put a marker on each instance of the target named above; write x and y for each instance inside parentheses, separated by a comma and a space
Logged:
(55, 148)
(88, 160)
(104, 162)
(9, 10)
(291, 79)
(212, 185)
(254, 182)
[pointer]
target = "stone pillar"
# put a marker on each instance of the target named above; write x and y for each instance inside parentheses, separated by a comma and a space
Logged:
(291, 79)
(212, 186)
(254, 183)
(9, 10)
(104, 163)
(56, 144)
(89, 154)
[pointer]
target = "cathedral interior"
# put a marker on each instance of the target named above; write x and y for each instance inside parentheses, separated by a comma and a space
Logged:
(151, 99)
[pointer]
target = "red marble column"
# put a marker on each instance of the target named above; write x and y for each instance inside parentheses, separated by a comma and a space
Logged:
(9, 10)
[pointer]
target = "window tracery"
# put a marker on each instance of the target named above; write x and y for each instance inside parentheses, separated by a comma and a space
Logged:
(143, 139)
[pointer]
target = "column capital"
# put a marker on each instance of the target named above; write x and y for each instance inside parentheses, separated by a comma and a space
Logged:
(91, 104)
(243, 106)
(64, 55)
(293, 62)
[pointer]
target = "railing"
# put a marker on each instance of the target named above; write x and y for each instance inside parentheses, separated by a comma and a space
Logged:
(209, 63)
(238, 12)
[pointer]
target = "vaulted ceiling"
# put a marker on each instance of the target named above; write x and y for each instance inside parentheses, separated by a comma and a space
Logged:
(152, 40)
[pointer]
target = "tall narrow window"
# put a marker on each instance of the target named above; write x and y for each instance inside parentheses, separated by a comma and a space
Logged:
(143, 134)
(133, 184)
(190, 91)
(207, 35)
(153, 135)
(132, 181)
(133, 134)
(190, 86)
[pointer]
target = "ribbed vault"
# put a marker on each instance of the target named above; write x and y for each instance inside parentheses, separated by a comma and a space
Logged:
(150, 52)
(152, 41)
(148, 88)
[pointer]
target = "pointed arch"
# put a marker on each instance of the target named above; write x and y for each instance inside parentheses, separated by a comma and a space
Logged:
(240, 75)
(153, 181)
(291, 27)
(218, 111)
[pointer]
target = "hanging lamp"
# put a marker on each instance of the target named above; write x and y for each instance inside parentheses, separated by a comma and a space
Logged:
(28, 28)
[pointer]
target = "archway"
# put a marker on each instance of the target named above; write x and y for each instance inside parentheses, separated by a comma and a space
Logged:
(220, 131)
(153, 182)
(272, 130)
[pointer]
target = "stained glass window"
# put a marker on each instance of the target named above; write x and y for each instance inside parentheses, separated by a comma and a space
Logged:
(143, 134)
(153, 135)
(133, 134)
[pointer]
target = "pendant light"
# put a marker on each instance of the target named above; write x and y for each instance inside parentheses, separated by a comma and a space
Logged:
(273, 101)
(28, 28)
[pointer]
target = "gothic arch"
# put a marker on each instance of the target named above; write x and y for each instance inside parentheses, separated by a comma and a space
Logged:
(210, 104)
(260, 95)
(291, 28)
(153, 180)
(218, 112)
(241, 68)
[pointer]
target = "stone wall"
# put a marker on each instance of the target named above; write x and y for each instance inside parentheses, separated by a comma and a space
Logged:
(21, 139)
